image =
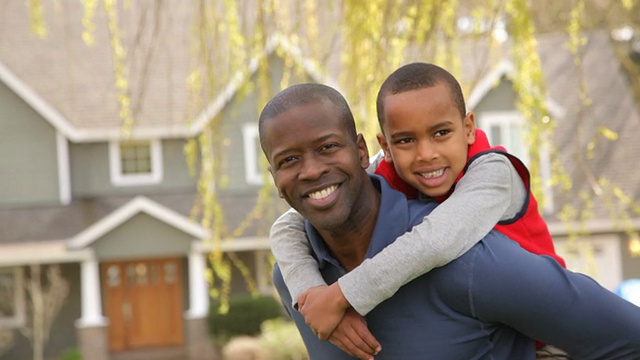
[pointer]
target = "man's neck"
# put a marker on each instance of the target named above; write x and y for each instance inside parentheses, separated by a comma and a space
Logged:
(349, 243)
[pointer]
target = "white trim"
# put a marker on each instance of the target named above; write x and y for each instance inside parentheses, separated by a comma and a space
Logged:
(43, 252)
(493, 78)
(249, 243)
(594, 226)
(64, 172)
(488, 82)
(120, 179)
(137, 205)
(188, 129)
(34, 100)
(19, 318)
(91, 300)
(198, 286)
(504, 120)
(240, 77)
(252, 173)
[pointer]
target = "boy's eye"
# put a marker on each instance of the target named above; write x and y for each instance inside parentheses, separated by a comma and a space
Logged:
(405, 140)
(442, 132)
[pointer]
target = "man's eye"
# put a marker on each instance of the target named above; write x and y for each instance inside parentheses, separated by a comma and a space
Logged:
(286, 161)
(329, 146)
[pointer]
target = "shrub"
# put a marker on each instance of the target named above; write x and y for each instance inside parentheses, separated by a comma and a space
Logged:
(244, 316)
(281, 340)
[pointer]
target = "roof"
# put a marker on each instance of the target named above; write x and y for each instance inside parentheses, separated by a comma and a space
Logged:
(51, 74)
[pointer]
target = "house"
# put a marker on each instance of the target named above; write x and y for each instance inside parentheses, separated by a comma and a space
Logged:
(114, 210)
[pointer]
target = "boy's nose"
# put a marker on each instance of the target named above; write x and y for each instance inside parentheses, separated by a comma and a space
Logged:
(426, 151)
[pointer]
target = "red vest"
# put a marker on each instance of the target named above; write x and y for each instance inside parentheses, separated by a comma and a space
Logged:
(527, 228)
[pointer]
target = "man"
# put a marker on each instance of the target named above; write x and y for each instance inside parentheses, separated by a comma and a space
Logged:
(489, 303)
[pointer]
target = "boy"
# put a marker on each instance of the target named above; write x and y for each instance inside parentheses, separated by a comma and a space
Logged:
(429, 142)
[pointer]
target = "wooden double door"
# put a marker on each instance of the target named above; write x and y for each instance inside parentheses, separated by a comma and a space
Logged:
(143, 302)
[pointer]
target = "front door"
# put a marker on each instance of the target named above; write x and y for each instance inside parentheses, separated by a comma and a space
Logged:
(143, 302)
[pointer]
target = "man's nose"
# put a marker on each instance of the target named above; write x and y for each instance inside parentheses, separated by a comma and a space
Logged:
(312, 167)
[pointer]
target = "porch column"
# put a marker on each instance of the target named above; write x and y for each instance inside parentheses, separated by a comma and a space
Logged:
(90, 295)
(198, 344)
(198, 286)
(92, 326)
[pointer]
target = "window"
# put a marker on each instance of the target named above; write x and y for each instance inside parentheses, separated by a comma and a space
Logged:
(252, 155)
(506, 129)
(135, 163)
(12, 303)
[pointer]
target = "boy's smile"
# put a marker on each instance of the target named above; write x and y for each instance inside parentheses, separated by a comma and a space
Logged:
(426, 138)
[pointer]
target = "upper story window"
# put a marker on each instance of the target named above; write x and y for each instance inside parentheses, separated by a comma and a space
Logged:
(506, 128)
(12, 302)
(253, 169)
(135, 163)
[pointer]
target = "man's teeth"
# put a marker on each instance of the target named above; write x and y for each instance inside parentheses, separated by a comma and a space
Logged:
(433, 174)
(318, 195)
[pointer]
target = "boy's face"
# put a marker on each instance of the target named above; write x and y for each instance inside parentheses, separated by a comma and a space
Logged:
(426, 138)
(316, 164)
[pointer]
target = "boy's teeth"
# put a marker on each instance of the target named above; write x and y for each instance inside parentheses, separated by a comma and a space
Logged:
(318, 195)
(433, 174)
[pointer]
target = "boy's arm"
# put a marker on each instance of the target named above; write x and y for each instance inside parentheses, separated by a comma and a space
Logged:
(292, 252)
(491, 190)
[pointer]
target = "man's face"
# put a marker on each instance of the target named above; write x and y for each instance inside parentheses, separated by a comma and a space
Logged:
(316, 164)
(426, 138)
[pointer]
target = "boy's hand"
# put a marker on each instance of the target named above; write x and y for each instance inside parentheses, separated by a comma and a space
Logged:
(322, 308)
(353, 336)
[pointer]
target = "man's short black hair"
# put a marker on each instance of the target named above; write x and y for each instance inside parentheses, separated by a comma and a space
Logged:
(303, 94)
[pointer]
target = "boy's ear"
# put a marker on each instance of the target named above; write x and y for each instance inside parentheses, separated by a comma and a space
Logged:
(385, 147)
(470, 127)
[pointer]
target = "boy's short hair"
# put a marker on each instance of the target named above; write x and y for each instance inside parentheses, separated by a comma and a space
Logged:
(415, 76)
(303, 94)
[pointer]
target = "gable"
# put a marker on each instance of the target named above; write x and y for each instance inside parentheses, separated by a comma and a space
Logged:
(142, 236)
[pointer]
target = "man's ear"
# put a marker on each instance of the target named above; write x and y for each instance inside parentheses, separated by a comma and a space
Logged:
(385, 147)
(363, 151)
(273, 177)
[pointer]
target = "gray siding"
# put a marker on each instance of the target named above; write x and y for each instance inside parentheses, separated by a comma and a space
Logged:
(142, 237)
(90, 172)
(500, 98)
(244, 108)
(28, 157)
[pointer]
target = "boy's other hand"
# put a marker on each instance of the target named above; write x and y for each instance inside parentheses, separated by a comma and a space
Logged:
(322, 308)
(353, 336)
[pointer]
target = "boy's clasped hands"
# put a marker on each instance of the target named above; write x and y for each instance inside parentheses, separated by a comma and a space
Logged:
(329, 315)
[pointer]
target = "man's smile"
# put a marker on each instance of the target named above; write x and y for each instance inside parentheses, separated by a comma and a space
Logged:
(322, 194)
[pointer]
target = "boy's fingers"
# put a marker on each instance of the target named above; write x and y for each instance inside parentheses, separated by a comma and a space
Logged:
(367, 338)
(350, 348)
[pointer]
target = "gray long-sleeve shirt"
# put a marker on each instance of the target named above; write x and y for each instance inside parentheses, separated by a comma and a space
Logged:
(490, 191)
